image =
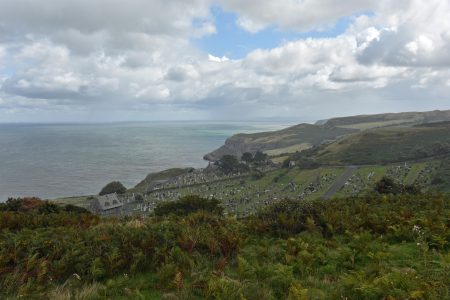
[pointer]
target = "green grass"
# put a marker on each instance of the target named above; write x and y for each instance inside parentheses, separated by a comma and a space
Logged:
(289, 149)
(371, 125)
(78, 201)
(414, 173)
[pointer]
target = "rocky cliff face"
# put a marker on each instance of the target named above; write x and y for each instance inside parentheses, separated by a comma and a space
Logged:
(238, 145)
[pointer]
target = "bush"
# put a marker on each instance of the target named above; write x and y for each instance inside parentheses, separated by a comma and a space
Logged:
(388, 186)
(289, 216)
(187, 205)
(247, 157)
(75, 209)
(260, 158)
(229, 164)
(113, 187)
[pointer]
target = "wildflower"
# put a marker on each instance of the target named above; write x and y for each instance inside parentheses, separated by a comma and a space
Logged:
(418, 244)
(416, 228)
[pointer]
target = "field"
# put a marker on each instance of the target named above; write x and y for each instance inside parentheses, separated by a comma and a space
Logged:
(289, 149)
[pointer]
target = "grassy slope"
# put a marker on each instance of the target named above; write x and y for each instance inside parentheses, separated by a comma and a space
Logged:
(142, 186)
(386, 145)
(78, 201)
(302, 134)
(289, 149)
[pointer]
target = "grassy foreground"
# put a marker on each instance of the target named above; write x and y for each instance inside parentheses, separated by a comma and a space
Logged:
(381, 247)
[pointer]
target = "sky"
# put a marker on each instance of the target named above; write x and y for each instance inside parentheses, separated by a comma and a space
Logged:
(147, 60)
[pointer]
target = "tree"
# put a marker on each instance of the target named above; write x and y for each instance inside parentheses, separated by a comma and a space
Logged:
(138, 198)
(247, 157)
(229, 164)
(113, 187)
(260, 158)
(387, 185)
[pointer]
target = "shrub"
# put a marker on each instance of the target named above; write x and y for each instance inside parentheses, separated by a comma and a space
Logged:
(113, 187)
(388, 186)
(75, 209)
(290, 216)
(247, 157)
(187, 205)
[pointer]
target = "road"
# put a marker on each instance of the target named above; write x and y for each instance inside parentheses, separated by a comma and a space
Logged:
(338, 184)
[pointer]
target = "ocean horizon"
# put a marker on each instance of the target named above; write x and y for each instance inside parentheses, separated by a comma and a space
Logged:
(73, 159)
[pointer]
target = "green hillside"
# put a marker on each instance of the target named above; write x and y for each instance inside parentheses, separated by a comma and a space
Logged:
(387, 145)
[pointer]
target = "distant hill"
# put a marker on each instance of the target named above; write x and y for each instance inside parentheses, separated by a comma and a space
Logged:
(387, 145)
(292, 139)
(383, 120)
(305, 136)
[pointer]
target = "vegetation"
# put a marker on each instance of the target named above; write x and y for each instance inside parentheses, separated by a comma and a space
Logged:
(389, 186)
(441, 180)
(302, 134)
(229, 164)
(378, 247)
(247, 157)
(113, 187)
(142, 186)
(387, 145)
(187, 205)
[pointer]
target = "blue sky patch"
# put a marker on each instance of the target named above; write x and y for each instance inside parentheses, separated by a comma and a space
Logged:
(234, 42)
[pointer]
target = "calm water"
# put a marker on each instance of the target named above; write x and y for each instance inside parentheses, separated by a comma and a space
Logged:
(52, 161)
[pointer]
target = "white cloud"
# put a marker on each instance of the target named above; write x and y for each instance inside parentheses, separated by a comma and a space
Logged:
(293, 14)
(217, 59)
(411, 33)
(138, 57)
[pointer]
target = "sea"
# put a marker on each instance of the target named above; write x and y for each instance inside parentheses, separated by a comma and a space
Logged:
(61, 160)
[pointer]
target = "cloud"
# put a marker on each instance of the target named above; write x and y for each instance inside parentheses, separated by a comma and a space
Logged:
(293, 14)
(139, 58)
(411, 33)
(88, 17)
(217, 59)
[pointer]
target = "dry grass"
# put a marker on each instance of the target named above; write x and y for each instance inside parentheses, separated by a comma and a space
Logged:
(289, 149)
